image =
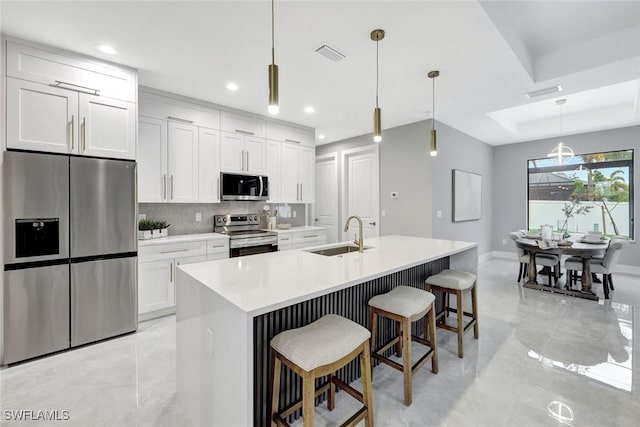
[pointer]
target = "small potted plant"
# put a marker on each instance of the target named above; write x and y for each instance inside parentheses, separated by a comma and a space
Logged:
(160, 229)
(145, 227)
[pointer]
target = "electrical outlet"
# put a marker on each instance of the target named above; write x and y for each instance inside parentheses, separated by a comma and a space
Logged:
(293, 214)
(395, 194)
(438, 213)
(141, 217)
(198, 216)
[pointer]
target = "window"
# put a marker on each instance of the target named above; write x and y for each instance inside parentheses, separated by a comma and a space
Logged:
(590, 192)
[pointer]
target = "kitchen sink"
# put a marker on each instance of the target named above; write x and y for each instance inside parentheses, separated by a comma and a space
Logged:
(338, 250)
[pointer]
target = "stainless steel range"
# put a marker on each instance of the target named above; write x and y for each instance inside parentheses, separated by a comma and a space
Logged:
(245, 235)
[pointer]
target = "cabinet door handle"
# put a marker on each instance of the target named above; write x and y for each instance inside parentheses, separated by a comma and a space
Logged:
(77, 88)
(178, 119)
(307, 237)
(373, 223)
(173, 252)
(244, 132)
(218, 246)
(297, 191)
(218, 188)
(73, 133)
(247, 161)
(84, 133)
(292, 140)
(171, 180)
(164, 186)
(284, 238)
(300, 192)
(171, 272)
(242, 160)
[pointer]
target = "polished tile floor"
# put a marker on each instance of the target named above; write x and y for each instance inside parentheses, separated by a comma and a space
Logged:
(541, 360)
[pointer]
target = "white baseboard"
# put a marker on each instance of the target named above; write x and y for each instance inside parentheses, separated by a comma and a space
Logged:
(623, 269)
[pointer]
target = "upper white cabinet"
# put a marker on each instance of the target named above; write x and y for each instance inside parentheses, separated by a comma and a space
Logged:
(63, 104)
(163, 107)
(182, 167)
(273, 169)
(152, 160)
(244, 125)
(209, 165)
(241, 153)
(290, 134)
(298, 164)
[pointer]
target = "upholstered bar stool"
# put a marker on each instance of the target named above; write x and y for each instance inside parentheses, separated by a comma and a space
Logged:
(316, 350)
(453, 282)
(405, 305)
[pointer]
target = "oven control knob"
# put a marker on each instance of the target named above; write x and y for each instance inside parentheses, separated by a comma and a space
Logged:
(218, 220)
(255, 217)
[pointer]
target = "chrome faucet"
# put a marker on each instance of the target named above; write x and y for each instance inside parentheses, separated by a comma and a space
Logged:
(360, 240)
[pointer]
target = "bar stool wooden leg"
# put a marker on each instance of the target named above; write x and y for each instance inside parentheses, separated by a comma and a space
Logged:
(399, 343)
(460, 323)
(431, 322)
(308, 399)
(331, 398)
(365, 368)
(474, 309)
(406, 343)
(276, 366)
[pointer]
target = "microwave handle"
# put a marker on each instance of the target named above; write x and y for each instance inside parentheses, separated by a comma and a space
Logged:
(261, 186)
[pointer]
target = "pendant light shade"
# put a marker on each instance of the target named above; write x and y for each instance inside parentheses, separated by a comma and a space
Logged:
(433, 144)
(274, 106)
(376, 36)
(562, 153)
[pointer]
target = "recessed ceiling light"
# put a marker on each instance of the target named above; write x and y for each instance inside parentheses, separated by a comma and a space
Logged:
(105, 48)
(321, 136)
(309, 109)
(232, 86)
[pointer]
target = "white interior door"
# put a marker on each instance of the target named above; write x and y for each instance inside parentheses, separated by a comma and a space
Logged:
(326, 207)
(360, 188)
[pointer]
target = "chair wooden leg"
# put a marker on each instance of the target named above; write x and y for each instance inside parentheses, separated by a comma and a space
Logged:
(276, 365)
(331, 398)
(406, 359)
(611, 283)
(433, 340)
(460, 322)
(520, 272)
(365, 368)
(308, 399)
(549, 276)
(605, 285)
(474, 310)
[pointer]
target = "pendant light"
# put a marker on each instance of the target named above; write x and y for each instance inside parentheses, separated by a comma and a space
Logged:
(433, 145)
(376, 36)
(562, 153)
(274, 107)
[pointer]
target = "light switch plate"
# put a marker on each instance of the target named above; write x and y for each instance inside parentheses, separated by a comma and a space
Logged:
(198, 216)
(383, 212)
(438, 213)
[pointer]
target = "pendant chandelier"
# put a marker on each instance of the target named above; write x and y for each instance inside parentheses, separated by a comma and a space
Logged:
(376, 36)
(274, 107)
(433, 145)
(562, 153)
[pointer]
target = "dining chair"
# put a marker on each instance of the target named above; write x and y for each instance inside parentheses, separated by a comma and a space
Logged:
(604, 265)
(523, 256)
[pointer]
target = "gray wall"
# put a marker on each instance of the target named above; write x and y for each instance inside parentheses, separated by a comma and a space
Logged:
(182, 216)
(404, 167)
(510, 179)
(457, 150)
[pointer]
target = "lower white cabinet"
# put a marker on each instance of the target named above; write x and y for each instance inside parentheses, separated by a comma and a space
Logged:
(217, 249)
(301, 239)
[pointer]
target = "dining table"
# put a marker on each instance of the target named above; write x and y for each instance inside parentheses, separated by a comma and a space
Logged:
(573, 246)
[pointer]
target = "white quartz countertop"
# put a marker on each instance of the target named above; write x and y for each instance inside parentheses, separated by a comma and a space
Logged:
(299, 228)
(180, 238)
(261, 283)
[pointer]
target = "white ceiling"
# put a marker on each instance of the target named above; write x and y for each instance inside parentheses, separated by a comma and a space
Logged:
(489, 54)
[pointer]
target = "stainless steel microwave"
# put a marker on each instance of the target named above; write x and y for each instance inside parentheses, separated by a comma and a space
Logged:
(244, 187)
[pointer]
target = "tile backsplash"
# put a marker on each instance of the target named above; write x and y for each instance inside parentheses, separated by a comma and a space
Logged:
(182, 216)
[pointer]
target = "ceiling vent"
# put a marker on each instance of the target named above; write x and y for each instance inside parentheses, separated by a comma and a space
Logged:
(331, 53)
(545, 91)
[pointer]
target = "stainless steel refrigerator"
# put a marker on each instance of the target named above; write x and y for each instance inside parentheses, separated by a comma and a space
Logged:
(70, 252)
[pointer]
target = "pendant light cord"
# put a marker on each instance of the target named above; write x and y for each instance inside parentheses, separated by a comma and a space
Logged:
(273, 50)
(433, 107)
(377, 72)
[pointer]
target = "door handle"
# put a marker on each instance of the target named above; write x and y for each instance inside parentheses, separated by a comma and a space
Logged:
(373, 223)
(84, 133)
(178, 119)
(171, 179)
(164, 186)
(73, 133)
(245, 132)
(171, 272)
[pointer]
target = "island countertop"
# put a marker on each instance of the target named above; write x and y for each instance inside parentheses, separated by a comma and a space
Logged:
(266, 282)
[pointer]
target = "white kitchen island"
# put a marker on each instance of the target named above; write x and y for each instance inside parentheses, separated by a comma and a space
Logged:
(228, 310)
